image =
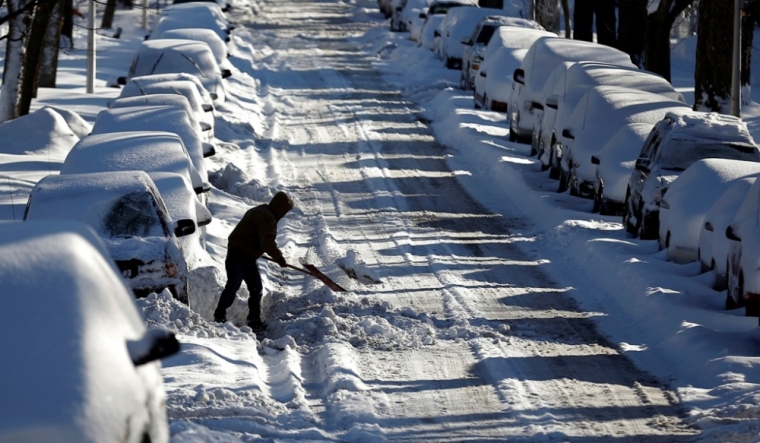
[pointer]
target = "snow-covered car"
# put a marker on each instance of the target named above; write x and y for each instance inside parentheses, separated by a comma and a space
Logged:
(179, 101)
(207, 36)
(614, 164)
(713, 244)
(459, 25)
(180, 56)
(434, 16)
(222, 3)
(543, 56)
(690, 197)
(429, 33)
(182, 203)
(493, 85)
(413, 15)
(565, 89)
(675, 143)
(596, 118)
(149, 151)
(397, 22)
(198, 13)
(170, 23)
(743, 256)
(91, 374)
(475, 45)
(157, 118)
(201, 102)
(129, 215)
(509, 38)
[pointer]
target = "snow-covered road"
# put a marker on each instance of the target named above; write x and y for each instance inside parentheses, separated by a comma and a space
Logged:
(464, 337)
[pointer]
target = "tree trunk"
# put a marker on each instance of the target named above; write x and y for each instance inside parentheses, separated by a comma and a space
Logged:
(606, 23)
(547, 14)
(712, 75)
(49, 61)
(750, 18)
(583, 20)
(34, 45)
(566, 13)
(108, 14)
(633, 16)
(14, 60)
(657, 40)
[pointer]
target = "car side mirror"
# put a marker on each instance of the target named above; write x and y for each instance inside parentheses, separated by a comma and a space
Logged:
(552, 101)
(213, 95)
(595, 160)
(436, 33)
(184, 227)
(483, 74)
(731, 234)
(226, 73)
(399, 9)
(208, 150)
(207, 107)
(121, 80)
(537, 105)
(568, 133)
(709, 226)
(642, 165)
(205, 126)
(519, 76)
(466, 41)
(423, 15)
(156, 344)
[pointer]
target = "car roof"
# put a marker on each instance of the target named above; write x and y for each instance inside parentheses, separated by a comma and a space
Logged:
(143, 81)
(178, 196)
(59, 272)
(709, 125)
(127, 151)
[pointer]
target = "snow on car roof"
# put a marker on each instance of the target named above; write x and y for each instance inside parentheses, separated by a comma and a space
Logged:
(699, 183)
(153, 118)
(162, 99)
(709, 125)
(43, 131)
(194, 20)
(126, 151)
(208, 36)
(505, 20)
(143, 81)
(60, 273)
(546, 53)
(598, 73)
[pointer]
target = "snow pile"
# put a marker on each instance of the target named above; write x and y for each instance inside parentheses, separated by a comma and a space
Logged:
(235, 181)
(43, 132)
(355, 268)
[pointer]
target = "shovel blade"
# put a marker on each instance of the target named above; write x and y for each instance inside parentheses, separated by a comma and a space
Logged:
(322, 277)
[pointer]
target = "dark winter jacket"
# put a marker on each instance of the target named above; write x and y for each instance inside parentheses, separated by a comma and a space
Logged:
(255, 234)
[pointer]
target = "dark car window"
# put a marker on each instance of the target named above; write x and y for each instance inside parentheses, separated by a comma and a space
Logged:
(680, 154)
(486, 32)
(134, 215)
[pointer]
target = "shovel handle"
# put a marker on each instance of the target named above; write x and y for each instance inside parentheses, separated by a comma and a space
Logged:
(266, 257)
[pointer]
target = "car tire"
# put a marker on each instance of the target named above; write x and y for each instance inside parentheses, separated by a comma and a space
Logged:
(450, 62)
(597, 208)
(534, 143)
(629, 228)
(463, 82)
(572, 183)
(564, 178)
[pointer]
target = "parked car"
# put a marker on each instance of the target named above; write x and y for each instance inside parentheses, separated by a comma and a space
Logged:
(157, 118)
(689, 198)
(457, 26)
(509, 38)
(713, 244)
(128, 213)
(568, 88)
(198, 13)
(175, 100)
(543, 56)
(91, 373)
(475, 45)
(413, 15)
(144, 81)
(207, 36)
(614, 164)
(149, 151)
(178, 56)
(170, 22)
(434, 16)
(201, 105)
(674, 144)
(594, 121)
(493, 87)
(743, 259)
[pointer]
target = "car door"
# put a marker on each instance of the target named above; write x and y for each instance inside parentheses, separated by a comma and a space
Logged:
(649, 152)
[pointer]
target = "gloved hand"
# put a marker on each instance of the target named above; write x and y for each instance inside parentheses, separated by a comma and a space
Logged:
(281, 261)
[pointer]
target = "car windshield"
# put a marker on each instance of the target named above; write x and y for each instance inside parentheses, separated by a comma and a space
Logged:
(680, 154)
(485, 34)
(133, 215)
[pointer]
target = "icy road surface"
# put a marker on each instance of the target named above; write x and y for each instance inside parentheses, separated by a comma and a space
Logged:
(463, 338)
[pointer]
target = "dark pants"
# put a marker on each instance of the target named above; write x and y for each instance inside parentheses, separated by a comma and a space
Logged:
(240, 267)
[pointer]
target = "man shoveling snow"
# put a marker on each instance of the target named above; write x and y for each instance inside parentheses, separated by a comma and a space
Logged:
(254, 235)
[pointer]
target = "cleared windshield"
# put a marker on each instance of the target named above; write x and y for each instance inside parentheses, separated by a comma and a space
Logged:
(133, 215)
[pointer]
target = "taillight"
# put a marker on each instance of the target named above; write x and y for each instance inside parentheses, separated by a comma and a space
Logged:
(171, 270)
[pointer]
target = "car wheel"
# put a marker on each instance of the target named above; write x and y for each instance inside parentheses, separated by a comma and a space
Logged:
(475, 104)
(512, 133)
(463, 83)
(572, 183)
(563, 180)
(450, 63)
(597, 208)
(629, 228)
(534, 142)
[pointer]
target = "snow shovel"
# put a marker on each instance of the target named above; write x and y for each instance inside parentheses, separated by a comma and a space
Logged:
(314, 272)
